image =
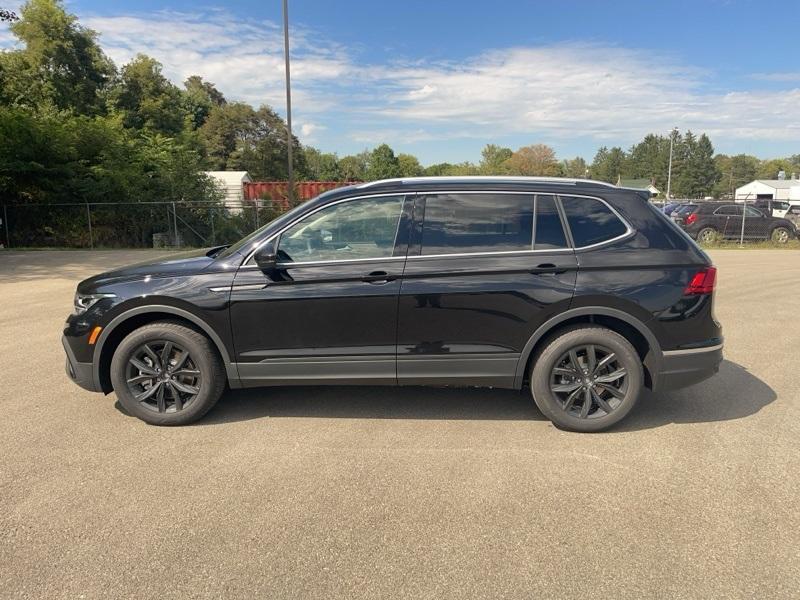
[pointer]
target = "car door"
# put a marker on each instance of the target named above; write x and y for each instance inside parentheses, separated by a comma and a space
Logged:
(329, 312)
(756, 224)
(728, 220)
(478, 281)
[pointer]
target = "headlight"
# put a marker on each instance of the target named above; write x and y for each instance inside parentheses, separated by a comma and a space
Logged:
(84, 302)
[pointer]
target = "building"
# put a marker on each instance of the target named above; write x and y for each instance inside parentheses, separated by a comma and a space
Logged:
(767, 189)
(640, 184)
(231, 183)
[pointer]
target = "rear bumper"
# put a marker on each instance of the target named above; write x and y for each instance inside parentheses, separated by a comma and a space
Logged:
(680, 368)
(79, 372)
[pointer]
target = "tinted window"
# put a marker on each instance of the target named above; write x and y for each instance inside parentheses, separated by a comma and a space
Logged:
(549, 232)
(591, 221)
(753, 212)
(729, 210)
(686, 209)
(354, 229)
(462, 223)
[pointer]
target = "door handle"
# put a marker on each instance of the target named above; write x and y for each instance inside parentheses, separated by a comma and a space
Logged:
(378, 277)
(547, 269)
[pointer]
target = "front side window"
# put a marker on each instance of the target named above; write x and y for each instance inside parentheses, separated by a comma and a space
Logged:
(753, 212)
(591, 221)
(355, 229)
(469, 223)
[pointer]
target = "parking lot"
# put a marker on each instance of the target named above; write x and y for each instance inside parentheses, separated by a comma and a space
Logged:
(401, 492)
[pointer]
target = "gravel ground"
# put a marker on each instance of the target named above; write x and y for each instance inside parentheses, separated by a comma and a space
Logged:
(416, 493)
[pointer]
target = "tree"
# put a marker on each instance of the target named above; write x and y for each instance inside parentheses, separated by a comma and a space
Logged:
(575, 168)
(321, 166)
(649, 159)
(61, 64)
(538, 159)
(354, 166)
(199, 98)
(438, 169)
(493, 159)
(382, 164)
(608, 165)
(147, 99)
(409, 165)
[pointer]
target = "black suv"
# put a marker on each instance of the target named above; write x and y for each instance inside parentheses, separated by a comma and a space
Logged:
(710, 221)
(579, 290)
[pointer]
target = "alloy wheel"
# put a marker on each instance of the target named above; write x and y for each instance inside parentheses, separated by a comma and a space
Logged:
(162, 376)
(781, 236)
(589, 381)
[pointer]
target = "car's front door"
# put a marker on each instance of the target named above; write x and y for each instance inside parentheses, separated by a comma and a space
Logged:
(477, 282)
(329, 311)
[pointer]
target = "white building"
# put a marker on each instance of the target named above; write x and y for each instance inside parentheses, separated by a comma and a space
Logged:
(767, 189)
(231, 183)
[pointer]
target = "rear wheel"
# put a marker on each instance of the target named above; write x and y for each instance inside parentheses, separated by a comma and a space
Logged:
(586, 378)
(781, 235)
(167, 374)
(707, 235)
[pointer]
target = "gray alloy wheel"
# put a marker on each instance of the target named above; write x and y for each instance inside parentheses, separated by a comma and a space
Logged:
(165, 373)
(707, 235)
(781, 235)
(586, 378)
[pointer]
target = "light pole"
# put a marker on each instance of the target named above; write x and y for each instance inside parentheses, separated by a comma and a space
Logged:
(669, 172)
(290, 191)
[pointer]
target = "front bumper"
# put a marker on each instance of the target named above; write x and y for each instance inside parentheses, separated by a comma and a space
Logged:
(681, 368)
(81, 373)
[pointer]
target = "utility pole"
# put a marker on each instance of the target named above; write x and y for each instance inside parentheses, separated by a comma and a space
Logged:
(290, 191)
(669, 172)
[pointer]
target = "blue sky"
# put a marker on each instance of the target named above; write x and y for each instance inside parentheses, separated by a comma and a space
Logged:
(440, 79)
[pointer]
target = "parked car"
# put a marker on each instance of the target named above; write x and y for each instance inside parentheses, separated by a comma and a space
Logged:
(670, 207)
(710, 221)
(793, 215)
(772, 208)
(581, 292)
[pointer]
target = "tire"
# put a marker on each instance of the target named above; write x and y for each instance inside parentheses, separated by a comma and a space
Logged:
(563, 405)
(781, 235)
(180, 394)
(707, 235)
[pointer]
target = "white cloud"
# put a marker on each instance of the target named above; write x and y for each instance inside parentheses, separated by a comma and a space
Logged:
(611, 94)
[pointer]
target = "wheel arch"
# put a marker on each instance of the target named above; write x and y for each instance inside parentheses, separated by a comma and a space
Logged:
(132, 319)
(631, 328)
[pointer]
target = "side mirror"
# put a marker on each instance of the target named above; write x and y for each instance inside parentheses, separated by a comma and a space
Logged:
(266, 257)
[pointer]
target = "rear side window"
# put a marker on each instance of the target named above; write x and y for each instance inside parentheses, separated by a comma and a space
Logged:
(591, 221)
(549, 233)
(731, 210)
(467, 223)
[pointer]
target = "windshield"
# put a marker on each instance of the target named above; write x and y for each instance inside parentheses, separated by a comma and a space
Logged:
(252, 236)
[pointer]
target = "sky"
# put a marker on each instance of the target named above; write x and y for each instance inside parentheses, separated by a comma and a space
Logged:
(440, 79)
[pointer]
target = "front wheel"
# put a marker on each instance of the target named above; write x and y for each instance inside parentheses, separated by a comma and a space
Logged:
(586, 378)
(781, 235)
(165, 373)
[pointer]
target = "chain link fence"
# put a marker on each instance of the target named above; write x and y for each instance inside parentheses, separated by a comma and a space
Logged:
(132, 225)
(201, 224)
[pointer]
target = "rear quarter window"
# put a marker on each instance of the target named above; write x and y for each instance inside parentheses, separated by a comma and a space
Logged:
(591, 221)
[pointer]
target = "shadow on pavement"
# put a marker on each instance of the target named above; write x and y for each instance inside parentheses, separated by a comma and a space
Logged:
(733, 393)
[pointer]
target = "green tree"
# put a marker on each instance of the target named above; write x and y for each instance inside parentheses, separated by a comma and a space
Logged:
(321, 166)
(148, 100)
(199, 98)
(538, 159)
(61, 64)
(608, 165)
(575, 167)
(354, 166)
(382, 164)
(438, 169)
(493, 159)
(409, 165)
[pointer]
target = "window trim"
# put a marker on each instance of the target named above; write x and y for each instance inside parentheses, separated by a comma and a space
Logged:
(415, 194)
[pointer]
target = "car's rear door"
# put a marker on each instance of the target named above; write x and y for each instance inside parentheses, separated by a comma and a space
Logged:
(478, 281)
(329, 313)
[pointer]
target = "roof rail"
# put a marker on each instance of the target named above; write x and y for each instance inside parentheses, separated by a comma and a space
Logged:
(490, 178)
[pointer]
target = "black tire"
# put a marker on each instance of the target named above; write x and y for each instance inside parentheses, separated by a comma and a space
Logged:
(549, 370)
(707, 235)
(781, 235)
(180, 393)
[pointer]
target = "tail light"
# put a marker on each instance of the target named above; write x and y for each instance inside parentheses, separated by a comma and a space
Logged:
(703, 282)
(691, 218)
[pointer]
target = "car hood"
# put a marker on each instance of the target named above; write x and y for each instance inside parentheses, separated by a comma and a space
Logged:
(174, 264)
